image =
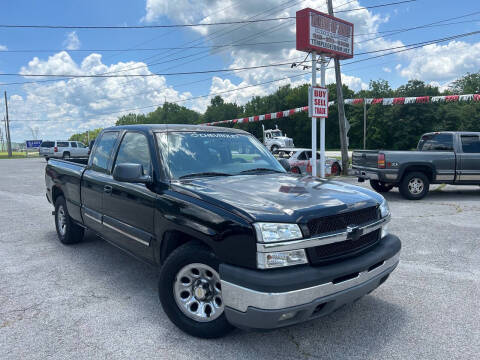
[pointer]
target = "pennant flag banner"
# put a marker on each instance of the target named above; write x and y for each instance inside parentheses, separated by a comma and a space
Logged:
(377, 101)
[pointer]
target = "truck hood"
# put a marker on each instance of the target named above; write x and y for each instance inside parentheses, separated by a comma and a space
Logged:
(279, 197)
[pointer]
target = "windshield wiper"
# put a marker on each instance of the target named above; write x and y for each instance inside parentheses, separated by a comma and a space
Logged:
(204, 174)
(259, 170)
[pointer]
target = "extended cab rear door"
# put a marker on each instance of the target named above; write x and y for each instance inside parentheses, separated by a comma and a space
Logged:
(95, 178)
(469, 159)
(128, 208)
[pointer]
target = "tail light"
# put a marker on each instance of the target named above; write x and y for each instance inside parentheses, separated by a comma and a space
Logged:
(55, 149)
(381, 161)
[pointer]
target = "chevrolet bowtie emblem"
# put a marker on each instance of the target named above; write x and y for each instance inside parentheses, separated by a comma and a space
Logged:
(354, 232)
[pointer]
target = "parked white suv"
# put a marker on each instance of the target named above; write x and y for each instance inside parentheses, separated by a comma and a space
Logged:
(63, 149)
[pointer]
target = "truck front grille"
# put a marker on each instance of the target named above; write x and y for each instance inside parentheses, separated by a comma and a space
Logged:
(340, 222)
(325, 253)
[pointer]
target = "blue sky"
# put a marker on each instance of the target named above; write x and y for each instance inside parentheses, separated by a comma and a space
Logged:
(61, 108)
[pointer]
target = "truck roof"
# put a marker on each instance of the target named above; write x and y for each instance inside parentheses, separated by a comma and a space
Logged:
(177, 127)
(452, 132)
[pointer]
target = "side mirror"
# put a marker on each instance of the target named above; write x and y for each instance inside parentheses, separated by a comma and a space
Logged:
(130, 173)
(285, 164)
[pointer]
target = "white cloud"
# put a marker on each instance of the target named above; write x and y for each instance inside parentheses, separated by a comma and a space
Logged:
(398, 67)
(3, 47)
(442, 63)
(247, 55)
(78, 104)
(387, 69)
(71, 42)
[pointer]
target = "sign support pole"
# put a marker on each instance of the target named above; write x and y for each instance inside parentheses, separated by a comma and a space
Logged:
(314, 119)
(364, 124)
(322, 121)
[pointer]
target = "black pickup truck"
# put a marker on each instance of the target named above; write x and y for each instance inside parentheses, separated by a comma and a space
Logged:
(441, 158)
(238, 240)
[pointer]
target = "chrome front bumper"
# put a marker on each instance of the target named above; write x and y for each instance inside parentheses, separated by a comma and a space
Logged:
(267, 299)
(241, 298)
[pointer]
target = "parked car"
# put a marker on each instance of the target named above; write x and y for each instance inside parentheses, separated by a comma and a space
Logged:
(238, 241)
(273, 139)
(63, 149)
(441, 157)
(300, 158)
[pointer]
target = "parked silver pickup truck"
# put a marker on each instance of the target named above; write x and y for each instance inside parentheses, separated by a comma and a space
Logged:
(441, 157)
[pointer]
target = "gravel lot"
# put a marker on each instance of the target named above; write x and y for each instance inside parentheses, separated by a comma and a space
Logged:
(93, 301)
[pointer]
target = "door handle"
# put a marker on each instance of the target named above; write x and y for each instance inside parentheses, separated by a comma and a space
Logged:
(107, 189)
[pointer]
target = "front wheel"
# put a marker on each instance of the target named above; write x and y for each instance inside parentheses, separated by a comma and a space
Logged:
(191, 292)
(380, 187)
(274, 149)
(336, 170)
(414, 186)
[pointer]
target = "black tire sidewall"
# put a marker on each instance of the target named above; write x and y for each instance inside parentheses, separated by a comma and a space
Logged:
(60, 201)
(73, 233)
(404, 186)
(184, 255)
(380, 187)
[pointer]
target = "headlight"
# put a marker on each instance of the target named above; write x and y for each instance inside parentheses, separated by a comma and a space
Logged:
(281, 258)
(272, 232)
(384, 209)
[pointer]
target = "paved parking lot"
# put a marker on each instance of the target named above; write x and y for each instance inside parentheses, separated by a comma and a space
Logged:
(93, 301)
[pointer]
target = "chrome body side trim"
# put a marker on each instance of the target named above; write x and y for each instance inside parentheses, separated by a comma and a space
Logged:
(319, 240)
(240, 298)
(92, 218)
(143, 242)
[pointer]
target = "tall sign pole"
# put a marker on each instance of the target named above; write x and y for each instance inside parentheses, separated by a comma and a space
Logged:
(314, 119)
(341, 107)
(322, 120)
(7, 128)
(324, 34)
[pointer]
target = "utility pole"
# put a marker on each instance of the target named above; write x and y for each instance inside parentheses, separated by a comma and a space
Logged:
(1, 138)
(341, 107)
(7, 128)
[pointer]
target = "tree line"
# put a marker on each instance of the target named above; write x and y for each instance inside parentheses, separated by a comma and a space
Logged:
(396, 127)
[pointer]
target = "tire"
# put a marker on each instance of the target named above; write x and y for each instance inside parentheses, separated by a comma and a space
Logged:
(66, 155)
(184, 263)
(46, 158)
(274, 149)
(336, 169)
(296, 170)
(414, 186)
(68, 232)
(380, 187)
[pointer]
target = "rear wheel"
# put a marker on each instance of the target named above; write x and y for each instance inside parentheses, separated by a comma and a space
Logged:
(68, 232)
(66, 155)
(380, 187)
(414, 186)
(191, 292)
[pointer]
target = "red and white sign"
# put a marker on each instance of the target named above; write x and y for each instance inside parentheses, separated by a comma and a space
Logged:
(324, 34)
(319, 101)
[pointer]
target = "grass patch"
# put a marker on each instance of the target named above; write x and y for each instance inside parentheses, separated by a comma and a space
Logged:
(17, 155)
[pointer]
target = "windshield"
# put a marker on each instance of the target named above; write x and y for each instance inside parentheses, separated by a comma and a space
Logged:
(277, 133)
(214, 154)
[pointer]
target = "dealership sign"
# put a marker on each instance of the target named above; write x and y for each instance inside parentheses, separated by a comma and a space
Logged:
(324, 34)
(318, 102)
(33, 144)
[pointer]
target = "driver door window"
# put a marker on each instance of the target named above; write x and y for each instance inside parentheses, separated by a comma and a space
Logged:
(134, 149)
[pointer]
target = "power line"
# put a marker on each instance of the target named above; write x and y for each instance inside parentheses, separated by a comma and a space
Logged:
(263, 83)
(151, 74)
(144, 49)
(376, 6)
(173, 102)
(121, 27)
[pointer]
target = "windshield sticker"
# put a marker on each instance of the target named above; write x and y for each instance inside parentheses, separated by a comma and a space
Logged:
(215, 135)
